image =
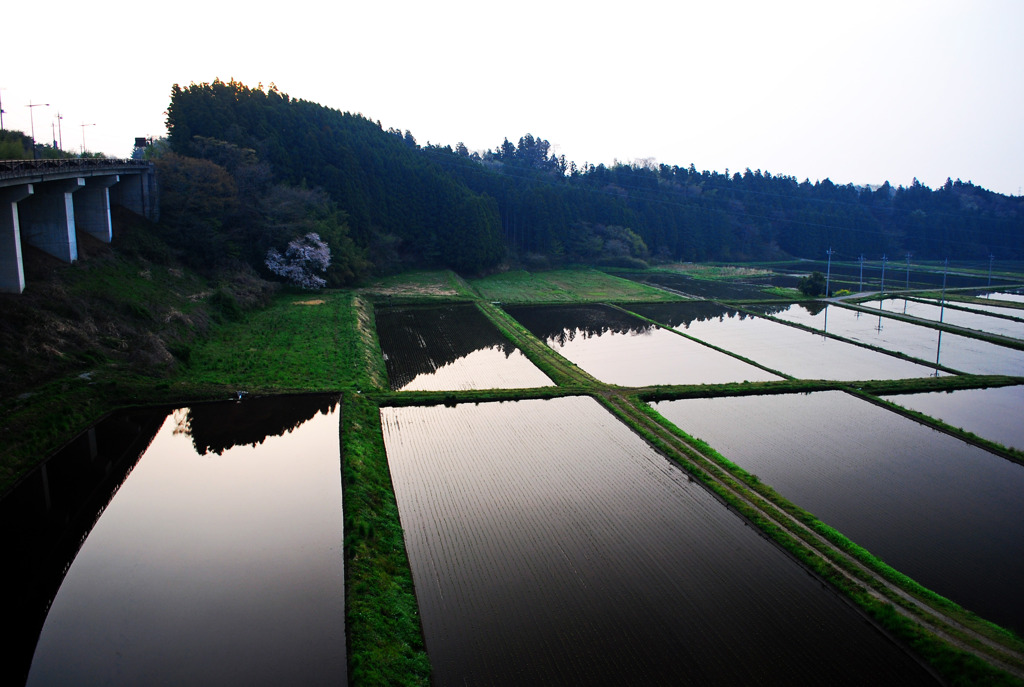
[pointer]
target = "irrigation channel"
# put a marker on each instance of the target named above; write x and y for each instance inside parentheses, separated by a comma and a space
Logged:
(577, 490)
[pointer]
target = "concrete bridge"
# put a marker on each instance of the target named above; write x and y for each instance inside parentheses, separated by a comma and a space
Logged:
(45, 203)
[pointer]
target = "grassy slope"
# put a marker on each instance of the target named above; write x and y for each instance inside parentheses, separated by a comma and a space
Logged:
(295, 345)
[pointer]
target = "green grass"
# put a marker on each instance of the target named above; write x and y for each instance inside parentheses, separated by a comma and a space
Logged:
(300, 342)
(295, 344)
(565, 286)
(385, 638)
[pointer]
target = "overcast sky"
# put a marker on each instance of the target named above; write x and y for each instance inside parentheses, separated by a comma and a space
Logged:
(857, 92)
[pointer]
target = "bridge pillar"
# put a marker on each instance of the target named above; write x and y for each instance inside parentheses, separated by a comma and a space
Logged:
(48, 218)
(137, 192)
(92, 207)
(12, 270)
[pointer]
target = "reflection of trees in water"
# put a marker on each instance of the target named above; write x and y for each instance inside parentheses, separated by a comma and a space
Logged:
(814, 307)
(422, 340)
(682, 315)
(49, 514)
(216, 427)
(563, 323)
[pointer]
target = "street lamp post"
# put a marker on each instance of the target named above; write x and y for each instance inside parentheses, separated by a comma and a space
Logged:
(33, 122)
(83, 136)
(60, 135)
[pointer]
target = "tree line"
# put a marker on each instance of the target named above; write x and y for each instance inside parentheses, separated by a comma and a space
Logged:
(276, 168)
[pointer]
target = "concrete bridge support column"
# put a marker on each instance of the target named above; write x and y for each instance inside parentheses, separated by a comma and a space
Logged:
(12, 270)
(48, 218)
(135, 192)
(92, 207)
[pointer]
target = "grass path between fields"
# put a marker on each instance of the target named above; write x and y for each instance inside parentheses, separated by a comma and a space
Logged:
(300, 345)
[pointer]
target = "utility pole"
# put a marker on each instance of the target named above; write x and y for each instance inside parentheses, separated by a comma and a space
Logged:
(908, 269)
(942, 303)
(32, 120)
(83, 135)
(861, 272)
(828, 270)
(60, 135)
(882, 288)
(990, 259)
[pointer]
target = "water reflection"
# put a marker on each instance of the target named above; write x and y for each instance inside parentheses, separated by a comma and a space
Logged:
(152, 563)
(550, 545)
(450, 347)
(850, 274)
(682, 315)
(942, 511)
(777, 346)
(563, 323)
(620, 348)
(216, 427)
(955, 351)
(993, 413)
(48, 515)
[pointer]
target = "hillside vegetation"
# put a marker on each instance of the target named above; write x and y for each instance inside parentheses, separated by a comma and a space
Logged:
(404, 205)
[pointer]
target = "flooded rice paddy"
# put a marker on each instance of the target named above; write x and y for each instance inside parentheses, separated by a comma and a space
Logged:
(708, 288)
(1009, 296)
(789, 350)
(551, 545)
(852, 276)
(450, 348)
(215, 558)
(952, 316)
(945, 512)
(618, 348)
(993, 414)
(959, 352)
(1005, 308)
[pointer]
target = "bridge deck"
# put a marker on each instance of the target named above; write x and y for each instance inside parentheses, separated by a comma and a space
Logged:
(14, 172)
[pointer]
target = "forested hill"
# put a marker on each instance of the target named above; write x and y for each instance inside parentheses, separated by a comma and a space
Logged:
(411, 205)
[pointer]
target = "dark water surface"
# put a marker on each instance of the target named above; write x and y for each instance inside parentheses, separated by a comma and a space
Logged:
(622, 349)
(452, 347)
(793, 351)
(211, 558)
(962, 353)
(945, 512)
(709, 288)
(994, 414)
(551, 546)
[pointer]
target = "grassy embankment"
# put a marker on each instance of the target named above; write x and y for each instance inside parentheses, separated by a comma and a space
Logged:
(896, 602)
(329, 342)
(106, 332)
(565, 286)
(840, 562)
(298, 345)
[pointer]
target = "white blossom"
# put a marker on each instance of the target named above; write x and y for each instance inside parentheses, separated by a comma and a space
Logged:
(301, 261)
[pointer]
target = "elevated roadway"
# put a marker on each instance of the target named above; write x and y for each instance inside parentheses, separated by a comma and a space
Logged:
(45, 203)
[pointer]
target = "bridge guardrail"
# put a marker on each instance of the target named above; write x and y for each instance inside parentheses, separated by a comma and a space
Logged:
(10, 169)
